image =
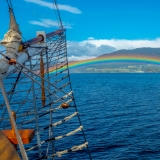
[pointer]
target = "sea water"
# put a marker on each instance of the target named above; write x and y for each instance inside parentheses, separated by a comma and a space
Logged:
(120, 114)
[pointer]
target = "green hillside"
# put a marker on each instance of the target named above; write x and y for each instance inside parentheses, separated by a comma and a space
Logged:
(125, 67)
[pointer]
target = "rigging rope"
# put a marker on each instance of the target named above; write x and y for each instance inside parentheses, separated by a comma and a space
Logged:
(21, 146)
(51, 110)
(73, 149)
(62, 121)
(58, 137)
(58, 13)
(10, 7)
(8, 4)
(11, 4)
(37, 76)
(36, 114)
(52, 102)
(76, 106)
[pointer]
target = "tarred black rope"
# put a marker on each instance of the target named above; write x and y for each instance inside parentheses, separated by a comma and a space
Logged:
(58, 13)
(8, 4)
(11, 4)
(15, 84)
(10, 7)
(89, 153)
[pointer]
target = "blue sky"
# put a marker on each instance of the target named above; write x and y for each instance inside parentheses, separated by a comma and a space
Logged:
(93, 27)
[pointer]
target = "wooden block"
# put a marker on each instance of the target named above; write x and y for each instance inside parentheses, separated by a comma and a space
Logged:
(26, 135)
(7, 150)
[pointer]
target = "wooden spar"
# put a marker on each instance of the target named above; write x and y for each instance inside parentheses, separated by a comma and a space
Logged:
(40, 38)
(55, 33)
(42, 81)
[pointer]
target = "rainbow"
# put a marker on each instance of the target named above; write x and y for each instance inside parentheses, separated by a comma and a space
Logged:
(115, 58)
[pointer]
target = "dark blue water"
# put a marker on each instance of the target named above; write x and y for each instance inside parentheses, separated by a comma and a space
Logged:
(120, 114)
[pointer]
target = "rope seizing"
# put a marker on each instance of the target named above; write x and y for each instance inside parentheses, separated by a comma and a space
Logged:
(73, 149)
(62, 121)
(57, 138)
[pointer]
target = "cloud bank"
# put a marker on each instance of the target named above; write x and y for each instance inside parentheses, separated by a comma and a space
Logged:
(92, 48)
(86, 50)
(48, 23)
(50, 5)
(124, 43)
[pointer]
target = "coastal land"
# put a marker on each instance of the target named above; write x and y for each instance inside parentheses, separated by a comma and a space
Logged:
(142, 60)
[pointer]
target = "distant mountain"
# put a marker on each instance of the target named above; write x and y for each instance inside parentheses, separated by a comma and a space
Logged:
(137, 51)
(121, 67)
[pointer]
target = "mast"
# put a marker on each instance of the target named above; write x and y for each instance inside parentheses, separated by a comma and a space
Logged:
(13, 25)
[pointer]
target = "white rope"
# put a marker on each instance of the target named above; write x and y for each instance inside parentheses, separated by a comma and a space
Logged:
(80, 147)
(59, 154)
(70, 93)
(62, 98)
(47, 111)
(73, 132)
(70, 133)
(23, 152)
(65, 119)
(59, 107)
(70, 100)
(73, 149)
(69, 117)
(58, 137)
(53, 102)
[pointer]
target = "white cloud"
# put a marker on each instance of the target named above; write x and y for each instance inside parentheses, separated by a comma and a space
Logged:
(91, 47)
(91, 38)
(82, 51)
(52, 6)
(77, 58)
(124, 43)
(49, 23)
